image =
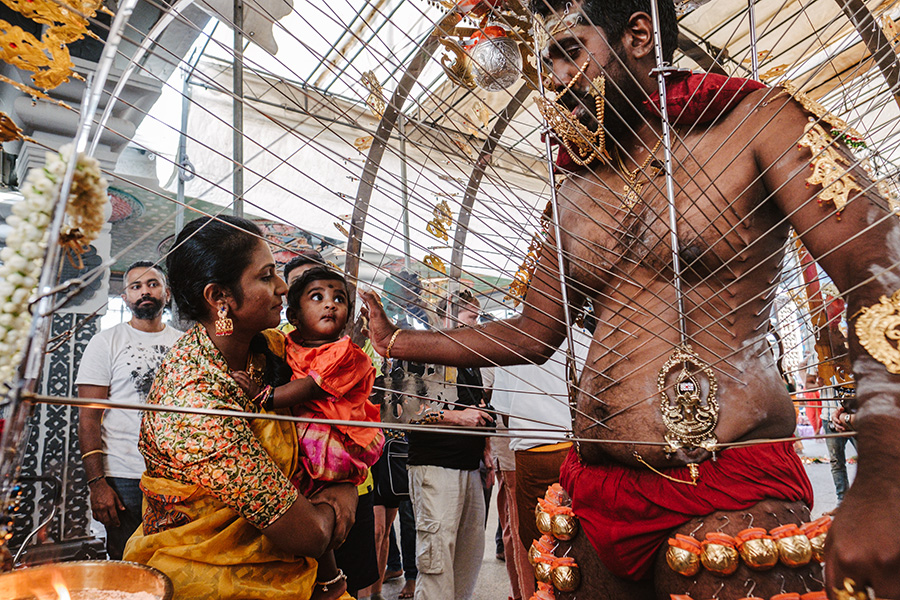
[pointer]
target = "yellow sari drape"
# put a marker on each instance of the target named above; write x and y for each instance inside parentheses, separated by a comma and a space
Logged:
(208, 550)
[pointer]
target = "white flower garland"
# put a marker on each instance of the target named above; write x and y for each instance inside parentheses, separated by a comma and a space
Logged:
(23, 256)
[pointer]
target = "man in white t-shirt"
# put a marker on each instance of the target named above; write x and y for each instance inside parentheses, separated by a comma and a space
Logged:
(119, 364)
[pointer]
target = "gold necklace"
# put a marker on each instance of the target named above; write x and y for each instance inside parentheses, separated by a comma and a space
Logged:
(631, 193)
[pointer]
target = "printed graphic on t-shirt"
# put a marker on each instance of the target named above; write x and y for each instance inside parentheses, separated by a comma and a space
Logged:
(144, 361)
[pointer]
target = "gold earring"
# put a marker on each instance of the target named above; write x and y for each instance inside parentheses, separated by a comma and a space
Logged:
(224, 325)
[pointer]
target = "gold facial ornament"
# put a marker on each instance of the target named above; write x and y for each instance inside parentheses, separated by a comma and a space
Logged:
(878, 330)
(582, 144)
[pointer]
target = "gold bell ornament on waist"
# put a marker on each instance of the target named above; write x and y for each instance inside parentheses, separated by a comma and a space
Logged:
(719, 554)
(683, 555)
(757, 548)
(794, 549)
(817, 531)
(543, 566)
(564, 524)
(545, 545)
(565, 574)
(543, 518)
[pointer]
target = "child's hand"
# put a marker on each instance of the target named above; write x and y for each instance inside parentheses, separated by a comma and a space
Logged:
(250, 387)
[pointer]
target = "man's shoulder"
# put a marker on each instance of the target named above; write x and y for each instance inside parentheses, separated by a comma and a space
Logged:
(106, 335)
(770, 109)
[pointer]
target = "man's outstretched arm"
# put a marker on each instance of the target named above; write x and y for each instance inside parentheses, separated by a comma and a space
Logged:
(532, 336)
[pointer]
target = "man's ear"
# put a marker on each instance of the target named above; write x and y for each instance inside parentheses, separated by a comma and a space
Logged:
(638, 36)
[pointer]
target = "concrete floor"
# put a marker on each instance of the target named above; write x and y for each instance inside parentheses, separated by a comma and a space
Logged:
(493, 581)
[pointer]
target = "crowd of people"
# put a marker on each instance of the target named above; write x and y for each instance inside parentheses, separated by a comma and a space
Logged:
(259, 508)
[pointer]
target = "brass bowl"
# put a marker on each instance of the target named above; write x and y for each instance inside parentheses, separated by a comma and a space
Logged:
(85, 575)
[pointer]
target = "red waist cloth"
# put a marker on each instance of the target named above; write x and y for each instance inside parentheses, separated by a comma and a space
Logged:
(628, 514)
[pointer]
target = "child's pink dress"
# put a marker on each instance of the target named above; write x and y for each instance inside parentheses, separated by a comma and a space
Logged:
(335, 453)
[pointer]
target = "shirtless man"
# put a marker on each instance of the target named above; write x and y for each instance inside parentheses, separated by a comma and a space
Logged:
(740, 183)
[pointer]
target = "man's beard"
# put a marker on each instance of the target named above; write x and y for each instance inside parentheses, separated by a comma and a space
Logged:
(621, 117)
(146, 312)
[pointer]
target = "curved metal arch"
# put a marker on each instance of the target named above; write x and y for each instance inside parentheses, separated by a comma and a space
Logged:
(484, 159)
(148, 41)
(376, 154)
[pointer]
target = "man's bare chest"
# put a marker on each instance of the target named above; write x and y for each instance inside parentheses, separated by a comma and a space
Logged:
(716, 216)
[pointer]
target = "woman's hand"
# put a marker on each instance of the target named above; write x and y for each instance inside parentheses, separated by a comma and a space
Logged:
(250, 387)
(380, 328)
(342, 497)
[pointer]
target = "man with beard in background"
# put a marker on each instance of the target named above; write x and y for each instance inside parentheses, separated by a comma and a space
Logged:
(119, 364)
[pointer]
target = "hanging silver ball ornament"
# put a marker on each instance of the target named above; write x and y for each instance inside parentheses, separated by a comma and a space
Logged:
(496, 62)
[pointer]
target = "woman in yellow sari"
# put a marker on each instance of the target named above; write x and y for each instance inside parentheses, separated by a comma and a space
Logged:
(221, 517)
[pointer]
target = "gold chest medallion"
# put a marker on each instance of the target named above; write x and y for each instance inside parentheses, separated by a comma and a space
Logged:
(690, 416)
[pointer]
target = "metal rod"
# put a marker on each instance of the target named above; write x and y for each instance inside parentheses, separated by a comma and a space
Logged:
(33, 356)
(754, 54)
(238, 110)
(181, 159)
(557, 230)
(483, 431)
(670, 181)
(404, 190)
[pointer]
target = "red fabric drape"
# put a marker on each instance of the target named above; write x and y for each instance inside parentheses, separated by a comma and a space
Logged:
(629, 513)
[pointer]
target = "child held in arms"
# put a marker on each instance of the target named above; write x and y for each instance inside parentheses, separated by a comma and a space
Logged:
(332, 378)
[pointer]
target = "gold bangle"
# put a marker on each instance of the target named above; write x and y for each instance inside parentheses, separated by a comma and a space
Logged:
(387, 353)
(91, 453)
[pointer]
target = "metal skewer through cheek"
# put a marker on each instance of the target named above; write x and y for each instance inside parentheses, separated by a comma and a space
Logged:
(557, 229)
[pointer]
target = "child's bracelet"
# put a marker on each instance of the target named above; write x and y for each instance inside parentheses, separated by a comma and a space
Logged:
(265, 398)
